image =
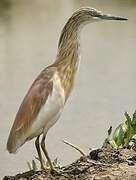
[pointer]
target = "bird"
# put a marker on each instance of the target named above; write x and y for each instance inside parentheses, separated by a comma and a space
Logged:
(47, 96)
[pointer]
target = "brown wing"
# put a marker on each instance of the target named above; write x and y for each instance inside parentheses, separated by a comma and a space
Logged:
(29, 109)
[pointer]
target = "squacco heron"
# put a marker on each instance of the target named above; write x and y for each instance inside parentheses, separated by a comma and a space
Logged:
(45, 100)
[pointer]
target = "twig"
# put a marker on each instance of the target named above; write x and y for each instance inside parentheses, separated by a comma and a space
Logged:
(75, 147)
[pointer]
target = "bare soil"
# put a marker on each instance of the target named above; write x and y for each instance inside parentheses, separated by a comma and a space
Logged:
(100, 164)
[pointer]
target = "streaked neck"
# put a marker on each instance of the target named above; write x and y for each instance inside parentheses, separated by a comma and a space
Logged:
(67, 60)
(69, 40)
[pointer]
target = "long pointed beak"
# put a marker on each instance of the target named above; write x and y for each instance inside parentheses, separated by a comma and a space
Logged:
(110, 17)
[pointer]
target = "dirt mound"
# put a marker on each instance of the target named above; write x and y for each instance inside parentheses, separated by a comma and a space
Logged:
(100, 164)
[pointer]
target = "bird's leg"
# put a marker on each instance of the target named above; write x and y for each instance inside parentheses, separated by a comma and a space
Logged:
(37, 145)
(46, 153)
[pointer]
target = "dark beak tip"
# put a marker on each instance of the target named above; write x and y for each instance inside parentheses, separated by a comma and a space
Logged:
(124, 19)
(119, 18)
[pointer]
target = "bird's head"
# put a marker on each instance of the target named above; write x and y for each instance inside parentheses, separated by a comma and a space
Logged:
(81, 17)
(89, 15)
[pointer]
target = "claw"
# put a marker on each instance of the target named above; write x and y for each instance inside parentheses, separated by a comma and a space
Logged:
(55, 171)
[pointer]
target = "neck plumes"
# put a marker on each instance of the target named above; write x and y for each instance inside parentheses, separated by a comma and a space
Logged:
(67, 60)
(69, 40)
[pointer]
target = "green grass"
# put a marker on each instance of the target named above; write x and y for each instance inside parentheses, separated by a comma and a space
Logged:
(32, 166)
(123, 134)
(35, 164)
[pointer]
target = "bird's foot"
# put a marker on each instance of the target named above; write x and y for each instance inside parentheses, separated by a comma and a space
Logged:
(52, 170)
(43, 168)
(56, 171)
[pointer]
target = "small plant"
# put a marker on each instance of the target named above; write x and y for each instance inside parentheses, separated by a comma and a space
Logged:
(123, 134)
(34, 165)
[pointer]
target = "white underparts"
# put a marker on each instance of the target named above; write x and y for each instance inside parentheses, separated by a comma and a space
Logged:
(50, 112)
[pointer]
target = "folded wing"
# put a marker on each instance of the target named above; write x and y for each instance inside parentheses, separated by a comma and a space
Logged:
(29, 109)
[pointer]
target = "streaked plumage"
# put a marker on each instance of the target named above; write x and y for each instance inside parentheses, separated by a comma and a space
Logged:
(44, 102)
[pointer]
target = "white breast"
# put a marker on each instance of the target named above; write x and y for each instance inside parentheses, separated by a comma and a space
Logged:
(51, 111)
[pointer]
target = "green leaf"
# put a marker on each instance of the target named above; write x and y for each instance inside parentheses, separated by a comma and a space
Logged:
(34, 166)
(128, 122)
(118, 135)
(120, 139)
(134, 119)
(113, 144)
